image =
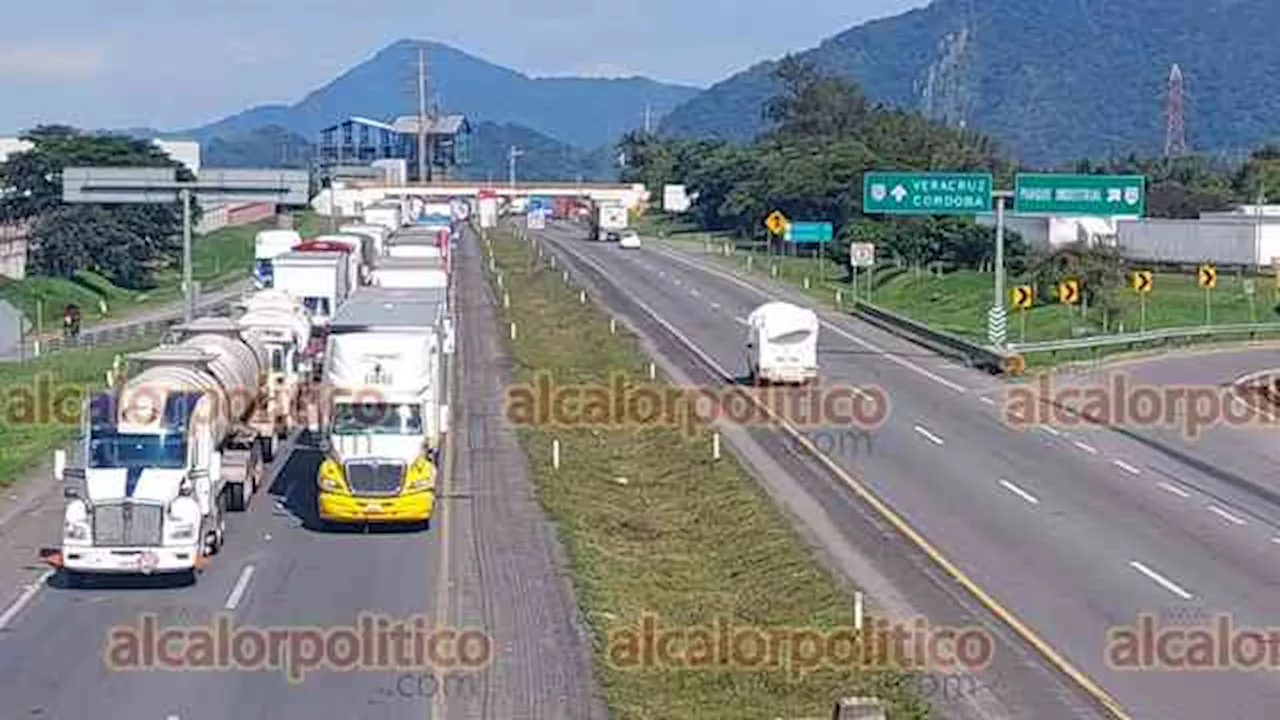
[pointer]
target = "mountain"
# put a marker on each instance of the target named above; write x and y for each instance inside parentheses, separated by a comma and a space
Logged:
(1050, 81)
(269, 146)
(585, 112)
(542, 158)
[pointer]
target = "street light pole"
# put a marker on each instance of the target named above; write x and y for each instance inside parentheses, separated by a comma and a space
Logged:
(188, 309)
(512, 154)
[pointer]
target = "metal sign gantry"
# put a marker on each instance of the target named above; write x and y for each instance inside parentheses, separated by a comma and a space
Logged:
(160, 186)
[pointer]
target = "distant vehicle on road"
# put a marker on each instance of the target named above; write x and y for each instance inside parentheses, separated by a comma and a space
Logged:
(782, 344)
(629, 239)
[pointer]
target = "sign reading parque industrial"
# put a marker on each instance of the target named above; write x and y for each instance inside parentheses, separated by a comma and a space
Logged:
(926, 193)
(1108, 195)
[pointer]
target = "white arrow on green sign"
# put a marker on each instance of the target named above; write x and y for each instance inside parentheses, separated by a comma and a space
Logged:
(926, 193)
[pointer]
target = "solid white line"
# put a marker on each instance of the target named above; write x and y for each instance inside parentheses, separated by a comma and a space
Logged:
(1160, 580)
(1087, 448)
(988, 401)
(1019, 492)
(1173, 489)
(1051, 430)
(932, 438)
(237, 592)
(1126, 467)
(1233, 519)
(27, 595)
(839, 331)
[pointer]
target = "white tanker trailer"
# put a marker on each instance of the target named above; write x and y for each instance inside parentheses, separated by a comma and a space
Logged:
(167, 452)
(278, 321)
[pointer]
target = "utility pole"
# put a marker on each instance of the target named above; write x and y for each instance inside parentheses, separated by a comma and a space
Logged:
(188, 291)
(424, 172)
(512, 154)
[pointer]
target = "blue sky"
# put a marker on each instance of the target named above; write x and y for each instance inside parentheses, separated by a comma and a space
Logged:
(174, 64)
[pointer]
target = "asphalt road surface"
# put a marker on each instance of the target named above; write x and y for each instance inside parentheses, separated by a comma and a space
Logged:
(488, 562)
(1074, 530)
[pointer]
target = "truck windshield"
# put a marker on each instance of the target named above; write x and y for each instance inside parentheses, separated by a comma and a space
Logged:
(109, 449)
(262, 269)
(376, 419)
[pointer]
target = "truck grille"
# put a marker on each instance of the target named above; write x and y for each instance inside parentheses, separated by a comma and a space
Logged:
(374, 478)
(127, 525)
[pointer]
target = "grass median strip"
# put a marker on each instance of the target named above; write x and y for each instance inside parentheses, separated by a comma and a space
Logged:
(656, 528)
(42, 401)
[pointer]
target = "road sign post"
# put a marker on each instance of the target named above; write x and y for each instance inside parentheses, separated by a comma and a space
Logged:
(861, 254)
(1103, 195)
(997, 326)
(1249, 290)
(1207, 277)
(1142, 282)
(160, 185)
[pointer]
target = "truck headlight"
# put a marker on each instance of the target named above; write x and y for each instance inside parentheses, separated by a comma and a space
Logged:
(76, 526)
(331, 477)
(421, 476)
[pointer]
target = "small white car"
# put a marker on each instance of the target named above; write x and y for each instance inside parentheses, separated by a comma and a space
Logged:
(629, 239)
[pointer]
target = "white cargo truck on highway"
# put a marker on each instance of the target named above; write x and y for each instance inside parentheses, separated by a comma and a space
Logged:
(267, 246)
(609, 221)
(318, 279)
(388, 214)
(172, 447)
(782, 344)
(385, 370)
(377, 233)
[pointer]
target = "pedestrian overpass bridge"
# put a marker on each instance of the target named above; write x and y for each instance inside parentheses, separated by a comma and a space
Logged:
(351, 196)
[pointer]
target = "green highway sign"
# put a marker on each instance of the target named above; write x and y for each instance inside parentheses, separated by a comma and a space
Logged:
(808, 232)
(1124, 195)
(926, 193)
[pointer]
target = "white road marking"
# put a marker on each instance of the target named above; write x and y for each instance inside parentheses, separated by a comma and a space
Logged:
(1126, 467)
(28, 594)
(931, 437)
(1085, 447)
(1051, 430)
(987, 400)
(237, 592)
(172, 717)
(1276, 540)
(741, 321)
(1019, 492)
(1160, 580)
(1233, 519)
(694, 292)
(1173, 489)
(715, 306)
(839, 331)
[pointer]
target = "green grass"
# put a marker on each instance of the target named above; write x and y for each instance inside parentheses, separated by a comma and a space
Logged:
(218, 259)
(681, 536)
(26, 437)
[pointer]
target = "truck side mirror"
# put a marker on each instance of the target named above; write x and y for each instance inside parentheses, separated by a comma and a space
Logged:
(70, 492)
(59, 464)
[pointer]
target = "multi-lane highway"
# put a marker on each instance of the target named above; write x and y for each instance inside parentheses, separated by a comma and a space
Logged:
(1072, 531)
(488, 562)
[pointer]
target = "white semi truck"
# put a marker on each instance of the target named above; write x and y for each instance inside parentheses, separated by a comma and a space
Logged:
(171, 447)
(267, 246)
(318, 279)
(608, 222)
(377, 233)
(388, 411)
(388, 214)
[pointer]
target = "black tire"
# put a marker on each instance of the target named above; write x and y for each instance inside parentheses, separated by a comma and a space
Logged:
(73, 580)
(268, 449)
(236, 501)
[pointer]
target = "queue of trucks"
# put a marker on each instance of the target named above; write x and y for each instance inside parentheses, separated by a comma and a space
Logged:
(186, 432)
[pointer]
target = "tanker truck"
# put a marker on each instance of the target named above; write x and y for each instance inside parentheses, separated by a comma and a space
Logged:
(168, 450)
(282, 326)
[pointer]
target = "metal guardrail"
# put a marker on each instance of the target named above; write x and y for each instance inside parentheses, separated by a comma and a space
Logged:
(1150, 336)
(973, 354)
(92, 337)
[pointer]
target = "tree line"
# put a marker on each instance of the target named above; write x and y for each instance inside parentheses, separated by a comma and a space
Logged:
(127, 244)
(824, 134)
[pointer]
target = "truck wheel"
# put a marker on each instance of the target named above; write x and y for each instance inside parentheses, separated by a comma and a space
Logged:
(268, 449)
(73, 580)
(235, 497)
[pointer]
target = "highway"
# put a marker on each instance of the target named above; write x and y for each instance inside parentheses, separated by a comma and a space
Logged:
(1072, 531)
(489, 562)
